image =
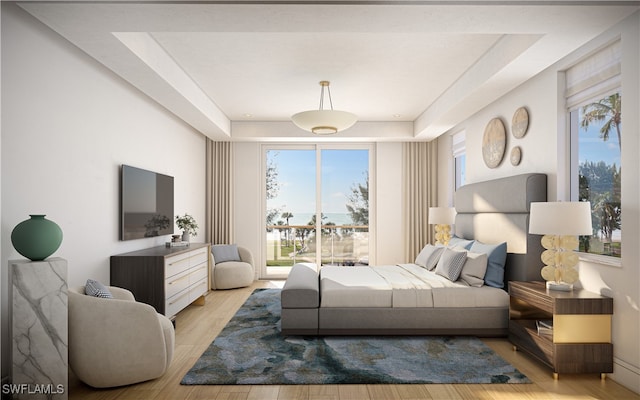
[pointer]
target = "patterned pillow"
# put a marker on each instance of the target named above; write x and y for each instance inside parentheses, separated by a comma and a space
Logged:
(429, 256)
(451, 263)
(97, 289)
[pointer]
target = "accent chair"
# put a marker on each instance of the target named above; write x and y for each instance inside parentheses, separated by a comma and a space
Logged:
(231, 267)
(117, 341)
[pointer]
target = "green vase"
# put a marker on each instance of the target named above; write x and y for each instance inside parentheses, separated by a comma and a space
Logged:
(36, 238)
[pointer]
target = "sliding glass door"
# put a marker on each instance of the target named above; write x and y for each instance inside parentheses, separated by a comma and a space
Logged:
(317, 206)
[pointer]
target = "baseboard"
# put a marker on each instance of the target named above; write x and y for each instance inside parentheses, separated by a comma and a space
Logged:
(626, 374)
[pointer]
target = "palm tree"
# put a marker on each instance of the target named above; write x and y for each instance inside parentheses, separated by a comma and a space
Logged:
(607, 109)
(599, 182)
(287, 215)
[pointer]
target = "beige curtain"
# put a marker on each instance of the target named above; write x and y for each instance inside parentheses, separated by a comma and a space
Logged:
(219, 193)
(420, 193)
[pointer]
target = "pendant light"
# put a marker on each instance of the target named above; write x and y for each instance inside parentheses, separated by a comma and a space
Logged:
(324, 122)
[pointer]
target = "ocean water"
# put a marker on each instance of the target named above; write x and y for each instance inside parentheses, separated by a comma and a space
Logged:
(304, 218)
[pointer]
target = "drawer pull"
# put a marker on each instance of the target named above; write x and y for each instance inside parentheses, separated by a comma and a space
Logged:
(197, 270)
(178, 298)
(187, 293)
(179, 279)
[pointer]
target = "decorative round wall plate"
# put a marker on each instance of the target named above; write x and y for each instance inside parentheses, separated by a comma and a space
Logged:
(494, 143)
(516, 155)
(520, 123)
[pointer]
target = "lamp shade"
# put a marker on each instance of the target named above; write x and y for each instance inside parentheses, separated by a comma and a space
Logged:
(442, 215)
(560, 218)
(324, 122)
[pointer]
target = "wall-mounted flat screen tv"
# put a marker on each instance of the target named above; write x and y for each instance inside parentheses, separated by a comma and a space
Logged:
(146, 203)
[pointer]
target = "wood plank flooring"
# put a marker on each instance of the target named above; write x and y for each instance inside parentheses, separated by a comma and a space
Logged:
(197, 326)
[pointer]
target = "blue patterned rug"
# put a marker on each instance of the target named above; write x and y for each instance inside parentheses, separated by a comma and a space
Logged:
(251, 351)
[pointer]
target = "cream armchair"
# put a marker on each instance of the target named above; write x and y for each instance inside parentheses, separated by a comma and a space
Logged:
(115, 342)
(232, 274)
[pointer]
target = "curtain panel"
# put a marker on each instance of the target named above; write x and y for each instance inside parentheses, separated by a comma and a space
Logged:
(420, 188)
(219, 192)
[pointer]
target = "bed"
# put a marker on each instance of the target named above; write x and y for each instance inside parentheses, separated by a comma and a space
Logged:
(453, 290)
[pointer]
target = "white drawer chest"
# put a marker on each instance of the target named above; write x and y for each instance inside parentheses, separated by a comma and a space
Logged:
(168, 278)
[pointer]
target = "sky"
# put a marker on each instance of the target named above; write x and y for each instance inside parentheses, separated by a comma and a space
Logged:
(593, 148)
(341, 170)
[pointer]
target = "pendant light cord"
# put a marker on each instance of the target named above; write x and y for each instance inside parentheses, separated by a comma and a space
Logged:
(324, 84)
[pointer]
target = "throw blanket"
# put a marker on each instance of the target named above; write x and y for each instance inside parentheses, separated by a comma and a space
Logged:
(408, 290)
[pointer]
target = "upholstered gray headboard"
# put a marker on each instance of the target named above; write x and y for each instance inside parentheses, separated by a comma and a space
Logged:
(497, 211)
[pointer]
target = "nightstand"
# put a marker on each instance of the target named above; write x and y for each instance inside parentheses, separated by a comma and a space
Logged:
(580, 340)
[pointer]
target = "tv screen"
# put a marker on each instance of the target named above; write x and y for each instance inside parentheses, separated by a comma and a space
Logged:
(146, 203)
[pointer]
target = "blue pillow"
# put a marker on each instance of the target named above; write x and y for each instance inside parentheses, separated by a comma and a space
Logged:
(496, 258)
(225, 252)
(458, 241)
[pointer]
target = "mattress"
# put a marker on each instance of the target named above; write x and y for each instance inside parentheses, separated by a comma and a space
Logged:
(401, 286)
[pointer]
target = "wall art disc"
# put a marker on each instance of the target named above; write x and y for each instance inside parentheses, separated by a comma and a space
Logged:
(516, 155)
(520, 123)
(494, 143)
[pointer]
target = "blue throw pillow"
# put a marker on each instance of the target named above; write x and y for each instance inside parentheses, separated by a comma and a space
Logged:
(225, 252)
(458, 241)
(97, 289)
(496, 258)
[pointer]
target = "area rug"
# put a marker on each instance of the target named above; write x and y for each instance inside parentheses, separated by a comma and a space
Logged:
(251, 351)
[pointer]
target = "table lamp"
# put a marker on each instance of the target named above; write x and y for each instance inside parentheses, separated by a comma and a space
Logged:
(442, 217)
(560, 223)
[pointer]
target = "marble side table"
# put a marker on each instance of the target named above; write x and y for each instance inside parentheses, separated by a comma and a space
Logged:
(39, 308)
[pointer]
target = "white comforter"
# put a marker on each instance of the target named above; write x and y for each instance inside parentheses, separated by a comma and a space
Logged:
(402, 285)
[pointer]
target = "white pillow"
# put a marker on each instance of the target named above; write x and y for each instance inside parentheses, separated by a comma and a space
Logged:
(474, 269)
(451, 263)
(429, 256)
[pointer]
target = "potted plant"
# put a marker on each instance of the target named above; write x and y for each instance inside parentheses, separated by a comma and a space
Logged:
(188, 225)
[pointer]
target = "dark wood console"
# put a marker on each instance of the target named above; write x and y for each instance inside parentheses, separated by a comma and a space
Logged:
(580, 339)
(168, 278)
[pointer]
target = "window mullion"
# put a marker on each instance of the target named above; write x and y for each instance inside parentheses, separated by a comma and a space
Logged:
(318, 227)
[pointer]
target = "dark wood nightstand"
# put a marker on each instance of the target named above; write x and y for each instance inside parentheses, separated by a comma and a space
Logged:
(580, 341)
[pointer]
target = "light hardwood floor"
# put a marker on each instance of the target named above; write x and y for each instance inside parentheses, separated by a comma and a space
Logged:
(197, 326)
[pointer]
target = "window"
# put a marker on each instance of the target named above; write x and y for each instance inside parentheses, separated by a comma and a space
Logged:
(460, 159)
(317, 206)
(594, 99)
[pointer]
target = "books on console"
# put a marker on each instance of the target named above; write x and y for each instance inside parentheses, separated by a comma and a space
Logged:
(545, 326)
(177, 244)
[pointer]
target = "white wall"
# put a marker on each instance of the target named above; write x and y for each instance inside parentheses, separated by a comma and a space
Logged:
(544, 150)
(68, 124)
(389, 244)
(249, 223)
